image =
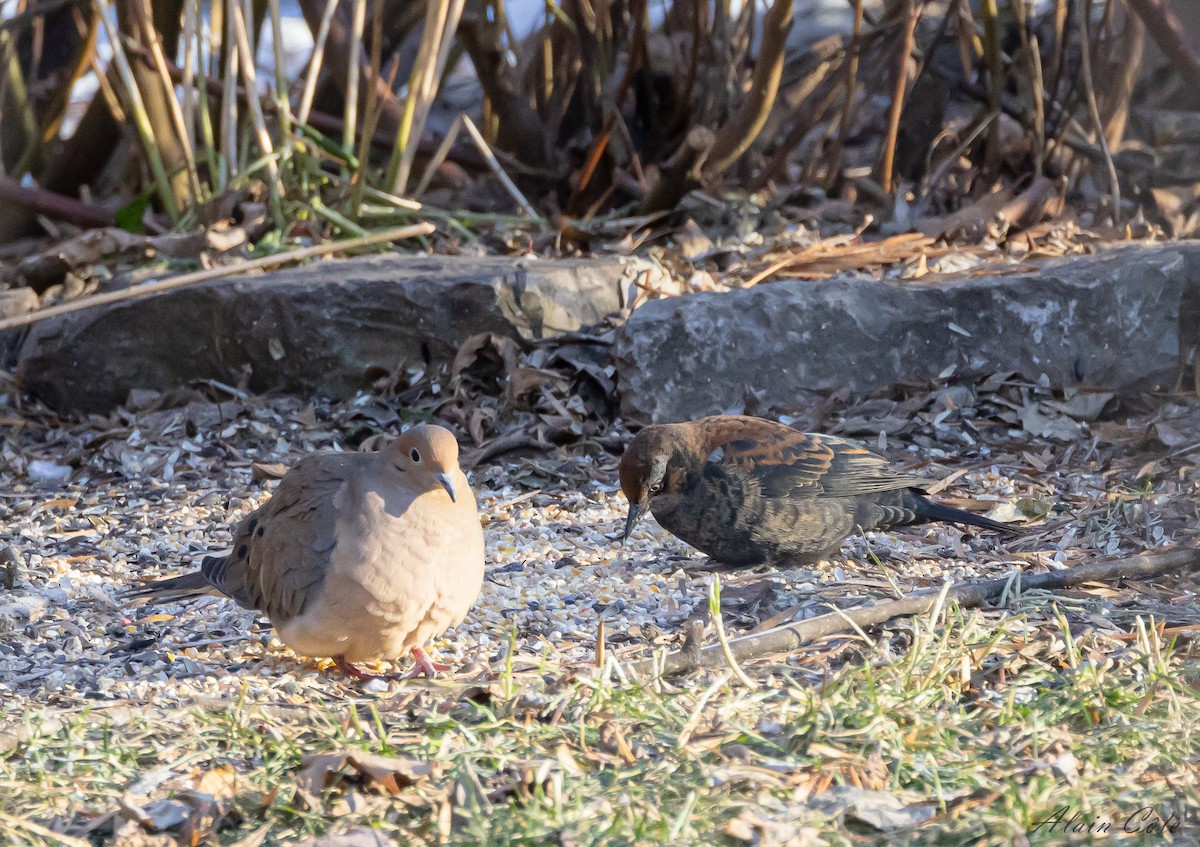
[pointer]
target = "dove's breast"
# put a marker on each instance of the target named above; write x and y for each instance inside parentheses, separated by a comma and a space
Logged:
(395, 580)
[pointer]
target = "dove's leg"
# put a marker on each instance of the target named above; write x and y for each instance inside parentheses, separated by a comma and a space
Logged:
(422, 664)
(350, 670)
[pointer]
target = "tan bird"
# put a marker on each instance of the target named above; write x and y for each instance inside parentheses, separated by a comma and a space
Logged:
(357, 556)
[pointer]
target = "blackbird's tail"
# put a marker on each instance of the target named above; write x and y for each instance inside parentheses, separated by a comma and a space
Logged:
(927, 510)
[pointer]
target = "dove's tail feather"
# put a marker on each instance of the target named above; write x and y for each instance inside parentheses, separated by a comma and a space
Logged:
(931, 511)
(176, 588)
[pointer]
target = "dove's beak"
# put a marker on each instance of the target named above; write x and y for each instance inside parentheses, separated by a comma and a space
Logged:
(635, 512)
(447, 482)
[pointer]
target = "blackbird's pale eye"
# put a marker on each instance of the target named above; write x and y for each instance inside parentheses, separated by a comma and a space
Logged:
(416, 457)
(655, 488)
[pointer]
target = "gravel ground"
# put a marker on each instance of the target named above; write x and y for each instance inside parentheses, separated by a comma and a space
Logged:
(90, 510)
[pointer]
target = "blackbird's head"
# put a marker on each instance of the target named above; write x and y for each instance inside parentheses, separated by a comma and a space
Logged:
(646, 469)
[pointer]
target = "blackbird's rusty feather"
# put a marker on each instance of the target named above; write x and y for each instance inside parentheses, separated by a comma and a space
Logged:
(747, 490)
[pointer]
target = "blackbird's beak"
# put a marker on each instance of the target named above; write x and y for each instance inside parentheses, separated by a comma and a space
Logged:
(447, 482)
(635, 512)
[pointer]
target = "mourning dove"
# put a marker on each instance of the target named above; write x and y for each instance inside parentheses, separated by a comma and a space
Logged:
(357, 556)
(746, 490)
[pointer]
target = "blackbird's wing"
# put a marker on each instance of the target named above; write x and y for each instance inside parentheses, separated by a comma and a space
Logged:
(785, 463)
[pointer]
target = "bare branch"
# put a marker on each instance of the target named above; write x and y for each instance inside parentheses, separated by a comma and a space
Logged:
(968, 595)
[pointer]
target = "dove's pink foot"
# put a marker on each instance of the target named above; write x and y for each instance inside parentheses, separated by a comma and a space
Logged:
(350, 670)
(422, 664)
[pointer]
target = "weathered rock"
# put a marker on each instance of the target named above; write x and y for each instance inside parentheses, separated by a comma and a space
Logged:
(315, 329)
(1110, 320)
(13, 302)
(17, 301)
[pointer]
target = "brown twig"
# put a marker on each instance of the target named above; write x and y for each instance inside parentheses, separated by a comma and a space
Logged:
(600, 143)
(995, 78)
(736, 136)
(968, 595)
(54, 205)
(679, 174)
(1089, 90)
(518, 439)
(520, 130)
(806, 119)
(1124, 67)
(151, 288)
(833, 167)
(1032, 51)
(711, 154)
(1171, 37)
(337, 52)
(150, 98)
(1027, 208)
(497, 168)
(21, 20)
(899, 90)
(328, 124)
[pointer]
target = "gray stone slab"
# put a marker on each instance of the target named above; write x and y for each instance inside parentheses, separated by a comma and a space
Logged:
(17, 301)
(315, 329)
(1108, 320)
(13, 302)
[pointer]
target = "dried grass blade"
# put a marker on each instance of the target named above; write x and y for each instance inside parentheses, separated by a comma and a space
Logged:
(159, 60)
(441, 24)
(494, 164)
(137, 108)
(314, 64)
(138, 292)
(241, 12)
(350, 116)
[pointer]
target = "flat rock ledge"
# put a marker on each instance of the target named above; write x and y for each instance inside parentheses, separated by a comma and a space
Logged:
(317, 329)
(1117, 320)
(1124, 319)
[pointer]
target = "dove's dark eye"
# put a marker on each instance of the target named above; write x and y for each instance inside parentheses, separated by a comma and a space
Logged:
(655, 488)
(416, 457)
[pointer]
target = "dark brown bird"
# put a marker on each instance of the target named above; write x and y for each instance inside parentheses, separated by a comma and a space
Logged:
(746, 490)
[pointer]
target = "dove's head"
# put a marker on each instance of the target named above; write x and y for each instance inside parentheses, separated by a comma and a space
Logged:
(427, 455)
(647, 469)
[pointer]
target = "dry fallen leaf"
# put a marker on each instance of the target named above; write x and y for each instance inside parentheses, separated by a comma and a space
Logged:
(882, 810)
(207, 813)
(158, 816)
(563, 754)
(1170, 436)
(1038, 420)
(60, 503)
(220, 782)
(261, 471)
(492, 353)
(528, 380)
(386, 774)
(129, 833)
(158, 617)
(357, 837)
(691, 241)
(1084, 406)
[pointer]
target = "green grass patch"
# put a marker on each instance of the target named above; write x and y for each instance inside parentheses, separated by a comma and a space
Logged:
(971, 730)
